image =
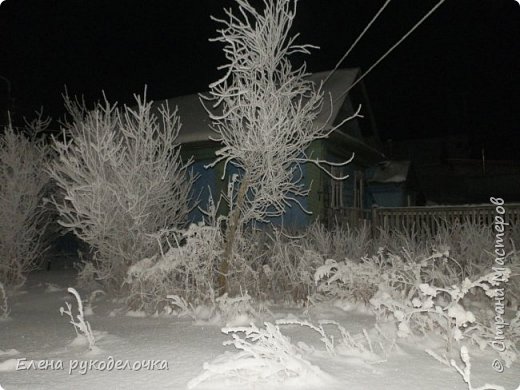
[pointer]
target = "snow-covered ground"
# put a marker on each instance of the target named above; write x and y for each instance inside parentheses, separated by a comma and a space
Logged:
(35, 331)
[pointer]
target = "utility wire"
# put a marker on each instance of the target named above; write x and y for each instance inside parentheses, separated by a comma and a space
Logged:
(356, 41)
(391, 49)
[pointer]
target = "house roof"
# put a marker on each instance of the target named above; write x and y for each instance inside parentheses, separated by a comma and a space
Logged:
(338, 82)
(196, 122)
(391, 172)
(194, 118)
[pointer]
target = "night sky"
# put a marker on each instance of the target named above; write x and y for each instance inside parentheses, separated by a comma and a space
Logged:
(459, 73)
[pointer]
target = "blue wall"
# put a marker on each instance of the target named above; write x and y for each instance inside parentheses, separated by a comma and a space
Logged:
(388, 194)
(205, 183)
(210, 180)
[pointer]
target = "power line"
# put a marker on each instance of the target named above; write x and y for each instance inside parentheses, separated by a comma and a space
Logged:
(356, 41)
(391, 49)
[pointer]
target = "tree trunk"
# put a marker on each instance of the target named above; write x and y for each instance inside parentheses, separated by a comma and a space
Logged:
(231, 231)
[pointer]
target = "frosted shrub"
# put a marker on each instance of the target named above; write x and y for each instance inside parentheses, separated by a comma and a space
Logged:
(24, 217)
(349, 280)
(360, 345)
(265, 356)
(426, 295)
(184, 278)
(226, 310)
(287, 268)
(245, 265)
(422, 308)
(470, 243)
(186, 269)
(339, 241)
(238, 310)
(276, 266)
(290, 263)
(123, 181)
(403, 240)
(299, 279)
(359, 280)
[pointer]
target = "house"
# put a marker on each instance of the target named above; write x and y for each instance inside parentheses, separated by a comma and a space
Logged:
(358, 136)
(393, 184)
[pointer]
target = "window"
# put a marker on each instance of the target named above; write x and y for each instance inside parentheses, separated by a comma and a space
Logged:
(336, 189)
(358, 190)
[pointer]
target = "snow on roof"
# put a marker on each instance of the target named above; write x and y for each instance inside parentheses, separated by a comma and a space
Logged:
(196, 123)
(340, 80)
(194, 118)
(391, 172)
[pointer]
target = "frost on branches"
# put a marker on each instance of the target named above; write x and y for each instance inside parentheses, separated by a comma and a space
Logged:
(263, 113)
(265, 356)
(185, 271)
(23, 186)
(123, 182)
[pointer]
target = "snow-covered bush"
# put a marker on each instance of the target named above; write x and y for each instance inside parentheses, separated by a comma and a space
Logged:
(423, 295)
(184, 277)
(123, 182)
(185, 274)
(186, 269)
(460, 251)
(24, 184)
(268, 357)
(238, 310)
(339, 241)
(289, 268)
(359, 280)
(289, 262)
(425, 308)
(225, 310)
(360, 345)
(265, 356)
(245, 265)
(318, 261)
(469, 244)
(411, 297)
(349, 280)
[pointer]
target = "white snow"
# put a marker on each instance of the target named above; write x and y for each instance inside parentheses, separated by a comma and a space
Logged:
(37, 334)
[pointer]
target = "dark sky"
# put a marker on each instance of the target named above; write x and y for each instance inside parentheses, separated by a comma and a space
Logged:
(458, 73)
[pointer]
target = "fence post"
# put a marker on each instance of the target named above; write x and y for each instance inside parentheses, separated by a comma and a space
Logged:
(375, 220)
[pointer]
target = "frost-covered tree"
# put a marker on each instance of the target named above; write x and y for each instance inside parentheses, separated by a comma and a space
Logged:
(23, 215)
(123, 181)
(263, 113)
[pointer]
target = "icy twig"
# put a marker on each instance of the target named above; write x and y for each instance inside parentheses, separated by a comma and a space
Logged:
(328, 341)
(81, 327)
(466, 371)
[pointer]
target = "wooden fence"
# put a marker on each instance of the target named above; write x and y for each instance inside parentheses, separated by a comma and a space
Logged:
(421, 219)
